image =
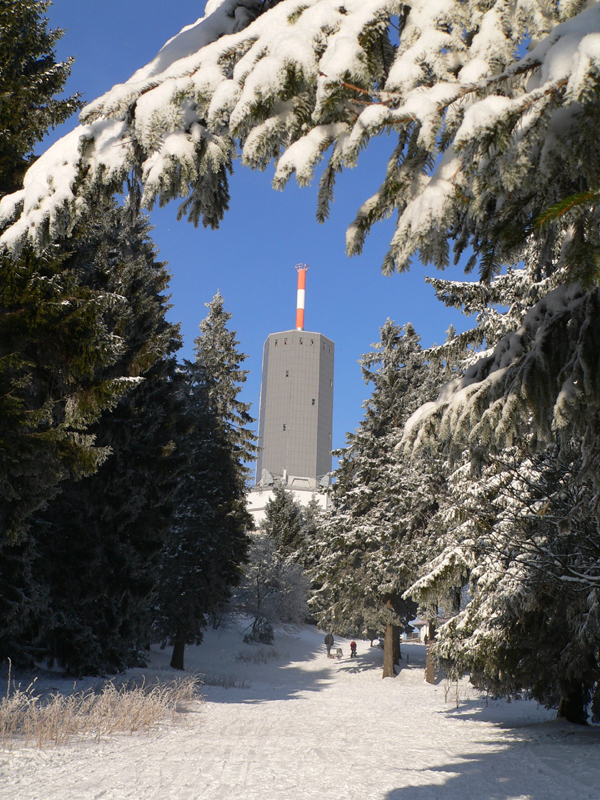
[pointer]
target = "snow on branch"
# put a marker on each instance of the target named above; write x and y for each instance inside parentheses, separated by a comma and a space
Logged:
(548, 372)
(289, 79)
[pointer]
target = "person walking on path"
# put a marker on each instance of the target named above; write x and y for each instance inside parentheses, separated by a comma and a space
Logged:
(352, 649)
(329, 643)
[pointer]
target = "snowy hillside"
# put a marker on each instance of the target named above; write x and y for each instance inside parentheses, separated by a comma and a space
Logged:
(299, 725)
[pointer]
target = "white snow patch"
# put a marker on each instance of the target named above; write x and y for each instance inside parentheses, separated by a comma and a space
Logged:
(312, 728)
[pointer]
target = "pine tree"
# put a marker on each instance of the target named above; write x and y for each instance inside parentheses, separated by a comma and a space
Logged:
(203, 557)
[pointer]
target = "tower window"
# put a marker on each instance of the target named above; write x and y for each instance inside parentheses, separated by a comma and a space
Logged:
(331, 383)
(300, 341)
(287, 373)
(312, 341)
(285, 341)
(313, 402)
(330, 349)
(275, 342)
(284, 428)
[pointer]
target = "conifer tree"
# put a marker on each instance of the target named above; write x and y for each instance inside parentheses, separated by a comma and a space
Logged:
(30, 81)
(219, 360)
(68, 353)
(454, 91)
(523, 536)
(92, 551)
(490, 150)
(312, 520)
(512, 530)
(350, 95)
(203, 557)
(99, 540)
(272, 592)
(371, 541)
(283, 521)
(55, 335)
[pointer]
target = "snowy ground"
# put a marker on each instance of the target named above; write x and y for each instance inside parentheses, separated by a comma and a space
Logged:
(303, 726)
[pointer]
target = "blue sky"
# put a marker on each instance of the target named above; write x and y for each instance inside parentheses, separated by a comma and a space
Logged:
(251, 258)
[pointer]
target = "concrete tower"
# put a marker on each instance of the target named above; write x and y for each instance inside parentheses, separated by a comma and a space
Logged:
(296, 412)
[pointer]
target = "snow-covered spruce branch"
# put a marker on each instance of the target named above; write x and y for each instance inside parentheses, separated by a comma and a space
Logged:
(251, 76)
(518, 548)
(547, 373)
(530, 517)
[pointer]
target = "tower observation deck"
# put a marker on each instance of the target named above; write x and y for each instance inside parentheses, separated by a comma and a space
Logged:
(296, 412)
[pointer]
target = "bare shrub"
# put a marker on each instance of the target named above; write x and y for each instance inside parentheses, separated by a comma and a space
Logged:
(225, 681)
(262, 656)
(459, 691)
(28, 718)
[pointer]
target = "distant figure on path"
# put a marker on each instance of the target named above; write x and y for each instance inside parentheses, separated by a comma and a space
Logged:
(329, 644)
(353, 649)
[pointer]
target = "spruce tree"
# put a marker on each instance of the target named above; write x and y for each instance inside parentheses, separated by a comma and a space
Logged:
(30, 81)
(519, 530)
(283, 521)
(489, 150)
(522, 535)
(220, 362)
(454, 86)
(272, 592)
(371, 542)
(61, 349)
(312, 520)
(55, 335)
(98, 541)
(454, 92)
(203, 557)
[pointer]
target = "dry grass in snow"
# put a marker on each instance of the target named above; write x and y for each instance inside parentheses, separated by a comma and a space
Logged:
(28, 718)
(263, 655)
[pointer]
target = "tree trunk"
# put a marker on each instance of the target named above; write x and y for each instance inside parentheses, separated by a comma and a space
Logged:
(456, 600)
(572, 706)
(429, 666)
(178, 654)
(388, 652)
(397, 652)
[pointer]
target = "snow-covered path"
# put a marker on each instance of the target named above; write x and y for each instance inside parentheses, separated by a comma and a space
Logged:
(308, 727)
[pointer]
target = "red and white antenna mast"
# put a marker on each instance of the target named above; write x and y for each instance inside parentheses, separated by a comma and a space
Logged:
(302, 269)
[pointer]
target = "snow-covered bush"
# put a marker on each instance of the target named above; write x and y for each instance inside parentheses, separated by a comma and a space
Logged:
(273, 591)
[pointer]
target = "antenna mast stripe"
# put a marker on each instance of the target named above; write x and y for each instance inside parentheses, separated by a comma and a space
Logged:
(301, 296)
